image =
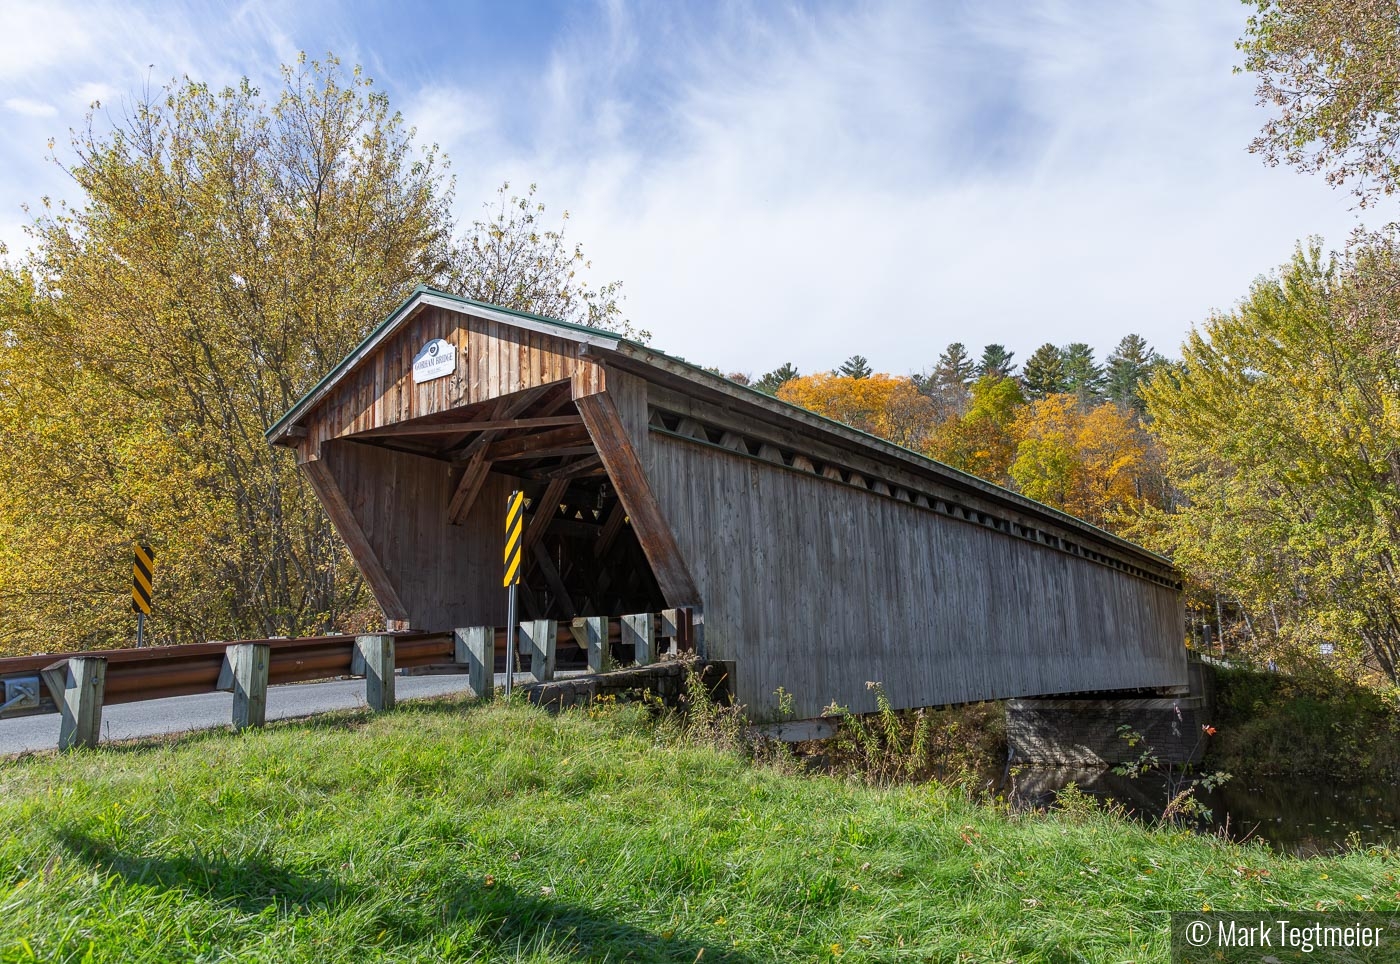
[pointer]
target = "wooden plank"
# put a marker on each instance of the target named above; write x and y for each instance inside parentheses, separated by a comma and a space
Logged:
(539, 637)
(611, 528)
(475, 648)
(377, 655)
(468, 488)
(589, 465)
(82, 702)
(554, 439)
(610, 438)
(639, 631)
(567, 451)
(368, 562)
(249, 663)
(546, 509)
(551, 576)
(596, 645)
(459, 428)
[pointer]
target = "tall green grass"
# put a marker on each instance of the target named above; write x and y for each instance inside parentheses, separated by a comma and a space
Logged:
(458, 832)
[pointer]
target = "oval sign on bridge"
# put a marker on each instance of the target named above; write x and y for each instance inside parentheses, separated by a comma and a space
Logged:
(436, 359)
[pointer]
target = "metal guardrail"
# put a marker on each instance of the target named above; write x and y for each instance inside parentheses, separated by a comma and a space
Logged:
(160, 672)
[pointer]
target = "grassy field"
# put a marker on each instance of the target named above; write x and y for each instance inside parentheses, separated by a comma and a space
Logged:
(455, 832)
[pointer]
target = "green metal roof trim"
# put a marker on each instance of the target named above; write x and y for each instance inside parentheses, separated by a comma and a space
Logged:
(635, 347)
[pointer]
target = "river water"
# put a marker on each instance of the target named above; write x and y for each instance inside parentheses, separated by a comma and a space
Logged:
(1297, 816)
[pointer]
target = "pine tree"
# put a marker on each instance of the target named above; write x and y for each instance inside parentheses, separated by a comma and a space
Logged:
(855, 367)
(955, 367)
(776, 379)
(997, 362)
(1083, 375)
(1131, 363)
(1044, 373)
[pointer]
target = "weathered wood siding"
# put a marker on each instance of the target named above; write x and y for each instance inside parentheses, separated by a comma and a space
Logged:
(446, 576)
(493, 359)
(818, 587)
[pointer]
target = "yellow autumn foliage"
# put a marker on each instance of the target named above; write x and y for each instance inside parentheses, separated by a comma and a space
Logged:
(885, 405)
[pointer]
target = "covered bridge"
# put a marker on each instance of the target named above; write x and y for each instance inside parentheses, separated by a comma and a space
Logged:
(817, 557)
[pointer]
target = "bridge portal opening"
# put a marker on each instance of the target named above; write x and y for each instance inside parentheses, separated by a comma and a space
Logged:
(428, 496)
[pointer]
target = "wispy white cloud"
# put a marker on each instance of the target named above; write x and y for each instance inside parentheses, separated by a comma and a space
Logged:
(799, 183)
(804, 185)
(30, 108)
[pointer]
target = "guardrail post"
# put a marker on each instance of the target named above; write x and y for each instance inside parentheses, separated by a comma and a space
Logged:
(82, 701)
(673, 626)
(377, 653)
(640, 630)
(539, 636)
(595, 630)
(475, 647)
(249, 662)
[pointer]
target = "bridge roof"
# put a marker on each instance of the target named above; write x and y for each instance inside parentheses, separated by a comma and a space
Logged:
(650, 362)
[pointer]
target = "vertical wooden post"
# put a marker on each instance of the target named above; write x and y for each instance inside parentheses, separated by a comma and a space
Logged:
(640, 631)
(476, 647)
(82, 702)
(599, 652)
(377, 652)
(539, 636)
(673, 628)
(250, 663)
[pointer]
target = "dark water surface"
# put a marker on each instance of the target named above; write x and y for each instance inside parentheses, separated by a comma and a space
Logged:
(1294, 815)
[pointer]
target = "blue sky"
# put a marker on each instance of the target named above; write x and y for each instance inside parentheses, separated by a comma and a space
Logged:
(781, 182)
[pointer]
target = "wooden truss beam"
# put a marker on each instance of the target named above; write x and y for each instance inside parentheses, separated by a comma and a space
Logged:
(625, 469)
(536, 445)
(461, 428)
(343, 518)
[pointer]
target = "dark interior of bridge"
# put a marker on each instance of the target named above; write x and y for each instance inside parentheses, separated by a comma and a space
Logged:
(581, 556)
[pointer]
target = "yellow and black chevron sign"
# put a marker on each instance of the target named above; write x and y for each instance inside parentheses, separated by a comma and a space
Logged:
(515, 530)
(141, 571)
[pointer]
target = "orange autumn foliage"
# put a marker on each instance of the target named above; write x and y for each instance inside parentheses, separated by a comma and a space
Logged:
(885, 405)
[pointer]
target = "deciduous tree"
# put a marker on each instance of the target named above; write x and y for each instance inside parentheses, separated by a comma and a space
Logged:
(1282, 430)
(1331, 71)
(883, 405)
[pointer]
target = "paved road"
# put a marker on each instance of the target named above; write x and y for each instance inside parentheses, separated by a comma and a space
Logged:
(126, 721)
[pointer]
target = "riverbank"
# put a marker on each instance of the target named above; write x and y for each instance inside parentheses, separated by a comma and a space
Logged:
(454, 831)
(1272, 724)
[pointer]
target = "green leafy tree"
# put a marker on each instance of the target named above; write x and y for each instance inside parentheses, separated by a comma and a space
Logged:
(983, 441)
(1083, 376)
(855, 367)
(1045, 372)
(1282, 431)
(1330, 69)
(996, 362)
(227, 249)
(777, 378)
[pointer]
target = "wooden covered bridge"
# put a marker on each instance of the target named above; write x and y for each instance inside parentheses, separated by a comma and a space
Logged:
(816, 557)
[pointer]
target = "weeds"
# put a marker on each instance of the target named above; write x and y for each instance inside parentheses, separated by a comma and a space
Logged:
(1184, 784)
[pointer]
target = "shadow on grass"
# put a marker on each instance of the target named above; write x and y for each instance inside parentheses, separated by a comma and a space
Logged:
(501, 917)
